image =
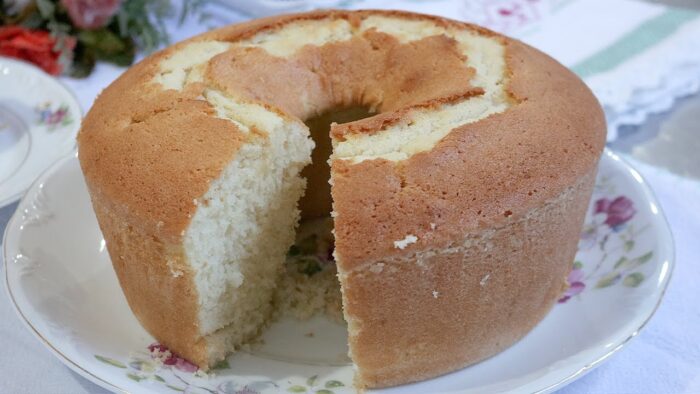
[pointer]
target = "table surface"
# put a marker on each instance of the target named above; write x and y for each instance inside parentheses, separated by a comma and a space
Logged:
(669, 141)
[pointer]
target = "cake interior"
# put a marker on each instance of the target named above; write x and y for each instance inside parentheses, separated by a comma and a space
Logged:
(239, 232)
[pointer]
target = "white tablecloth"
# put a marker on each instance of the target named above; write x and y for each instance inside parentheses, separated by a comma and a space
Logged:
(664, 358)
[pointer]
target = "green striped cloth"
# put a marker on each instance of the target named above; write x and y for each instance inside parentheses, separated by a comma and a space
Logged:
(648, 34)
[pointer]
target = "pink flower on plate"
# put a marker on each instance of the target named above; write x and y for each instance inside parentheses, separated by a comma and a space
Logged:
(162, 353)
(91, 14)
(619, 211)
(576, 285)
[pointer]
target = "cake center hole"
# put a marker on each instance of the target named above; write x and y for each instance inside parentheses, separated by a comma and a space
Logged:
(316, 202)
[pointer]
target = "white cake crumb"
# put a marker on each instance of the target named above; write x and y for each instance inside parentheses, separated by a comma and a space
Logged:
(160, 356)
(377, 268)
(410, 239)
(174, 272)
(194, 201)
(484, 279)
(435, 294)
(201, 374)
(433, 226)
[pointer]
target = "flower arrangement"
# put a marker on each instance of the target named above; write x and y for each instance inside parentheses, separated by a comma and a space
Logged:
(70, 36)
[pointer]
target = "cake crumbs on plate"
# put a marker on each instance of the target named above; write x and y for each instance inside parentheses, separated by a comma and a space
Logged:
(435, 294)
(159, 355)
(401, 244)
(309, 334)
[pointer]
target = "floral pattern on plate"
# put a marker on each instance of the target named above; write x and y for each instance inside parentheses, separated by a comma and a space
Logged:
(609, 235)
(159, 365)
(53, 116)
(39, 121)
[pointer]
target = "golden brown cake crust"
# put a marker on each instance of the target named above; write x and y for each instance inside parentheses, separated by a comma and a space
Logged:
(436, 311)
(481, 175)
(519, 180)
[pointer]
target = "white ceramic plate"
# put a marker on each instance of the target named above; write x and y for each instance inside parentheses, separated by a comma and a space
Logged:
(39, 119)
(62, 284)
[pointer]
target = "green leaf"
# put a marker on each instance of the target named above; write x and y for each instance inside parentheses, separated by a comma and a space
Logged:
(110, 361)
(143, 21)
(620, 262)
(223, 364)
(46, 8)
(174, 388)
(297, 389)
(334, 383)
(33, 21)
(578, 265)
(645, 257)
(103, 40)
(629, 244)
(312, 380)
(324, 391)
(106, 45)
(608, 279)
(633, 280)
(135, 378)
(83, 62)
(158, 378)
(122, 59)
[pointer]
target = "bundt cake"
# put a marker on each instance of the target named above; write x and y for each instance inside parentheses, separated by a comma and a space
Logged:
(457, 170)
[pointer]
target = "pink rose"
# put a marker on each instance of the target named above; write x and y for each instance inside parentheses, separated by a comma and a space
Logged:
(91, 14)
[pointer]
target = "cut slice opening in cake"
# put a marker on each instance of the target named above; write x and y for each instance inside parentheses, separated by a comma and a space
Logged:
(309, 283)
(246, 222)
